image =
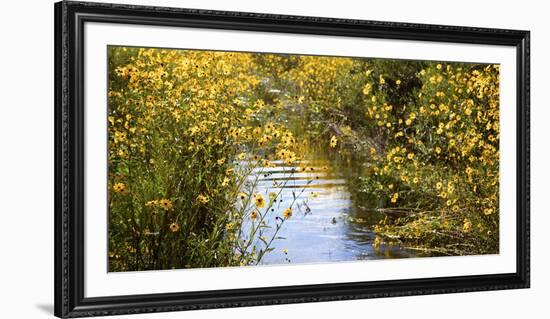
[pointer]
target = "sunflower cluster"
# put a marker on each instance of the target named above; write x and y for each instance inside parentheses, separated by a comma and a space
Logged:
(426, 134)
(185, 130)
(441, 158)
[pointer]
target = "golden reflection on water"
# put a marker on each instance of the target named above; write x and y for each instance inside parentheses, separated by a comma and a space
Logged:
(327, 225)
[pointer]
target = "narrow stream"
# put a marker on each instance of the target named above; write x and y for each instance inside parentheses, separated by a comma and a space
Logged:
(326, 225)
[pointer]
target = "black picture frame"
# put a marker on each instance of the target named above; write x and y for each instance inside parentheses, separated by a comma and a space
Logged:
(70, 18)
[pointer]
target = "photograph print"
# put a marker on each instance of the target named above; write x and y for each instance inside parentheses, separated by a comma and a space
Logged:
(234, 159)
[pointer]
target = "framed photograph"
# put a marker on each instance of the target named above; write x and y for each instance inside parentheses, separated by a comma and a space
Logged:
(219, 159)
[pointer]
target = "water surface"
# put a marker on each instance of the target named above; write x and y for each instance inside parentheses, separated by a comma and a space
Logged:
(326, 226)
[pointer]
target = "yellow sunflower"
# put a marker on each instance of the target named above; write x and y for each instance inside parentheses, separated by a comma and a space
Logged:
(174, 227)
(165, 203)
(259, 201)
(119, 188)
(287, 213)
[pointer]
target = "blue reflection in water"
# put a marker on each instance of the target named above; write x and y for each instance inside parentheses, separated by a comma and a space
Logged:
(326, 226)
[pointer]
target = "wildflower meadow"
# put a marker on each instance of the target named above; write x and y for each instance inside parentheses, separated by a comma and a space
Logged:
(220, 159)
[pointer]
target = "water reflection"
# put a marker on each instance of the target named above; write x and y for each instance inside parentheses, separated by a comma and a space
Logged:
(327, 226)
